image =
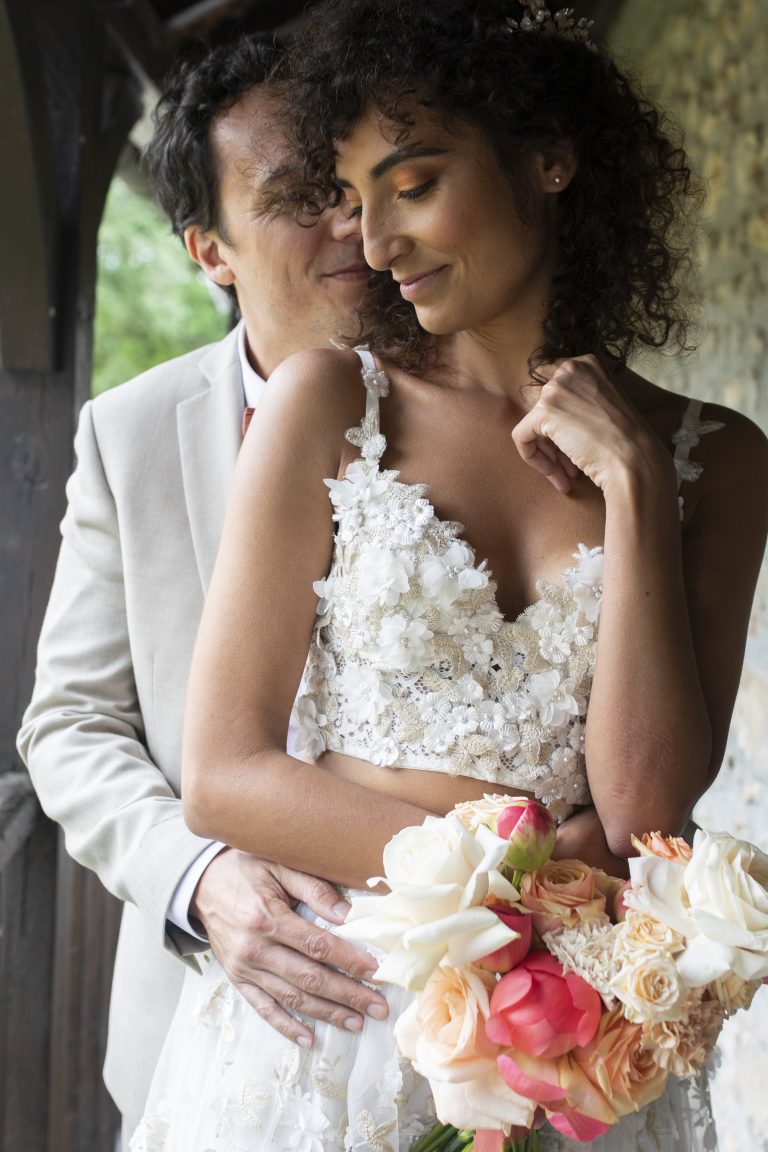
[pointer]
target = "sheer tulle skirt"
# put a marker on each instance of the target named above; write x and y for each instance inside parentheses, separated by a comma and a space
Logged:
(226, 1082)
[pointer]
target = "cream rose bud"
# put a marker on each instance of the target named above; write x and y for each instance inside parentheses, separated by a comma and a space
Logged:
(650, 988)
(726, 883)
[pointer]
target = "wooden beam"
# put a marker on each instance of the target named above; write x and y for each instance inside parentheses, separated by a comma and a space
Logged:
(18, 813)
(27, 894)
(140, 34)
(74, 97)
(27, 302)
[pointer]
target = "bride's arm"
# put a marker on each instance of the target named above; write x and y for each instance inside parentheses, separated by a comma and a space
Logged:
(674, 611)
(238, 783)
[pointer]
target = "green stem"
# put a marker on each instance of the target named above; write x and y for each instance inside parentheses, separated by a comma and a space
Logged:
(457, 1144)
(433, 1140)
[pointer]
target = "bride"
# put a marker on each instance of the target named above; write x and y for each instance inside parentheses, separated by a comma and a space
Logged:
(501, 484)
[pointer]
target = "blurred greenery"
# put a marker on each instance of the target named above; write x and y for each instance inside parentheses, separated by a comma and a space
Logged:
(152, 301)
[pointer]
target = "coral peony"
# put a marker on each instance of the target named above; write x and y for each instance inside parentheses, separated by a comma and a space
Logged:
(542, 1011)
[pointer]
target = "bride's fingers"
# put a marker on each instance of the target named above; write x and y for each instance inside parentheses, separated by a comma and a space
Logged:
(568, 465)
(543, 456)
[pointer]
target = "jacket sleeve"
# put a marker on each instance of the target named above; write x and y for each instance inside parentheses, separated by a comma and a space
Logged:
(82, 735)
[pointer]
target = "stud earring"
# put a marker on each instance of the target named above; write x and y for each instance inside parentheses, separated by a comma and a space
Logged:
(558, 180)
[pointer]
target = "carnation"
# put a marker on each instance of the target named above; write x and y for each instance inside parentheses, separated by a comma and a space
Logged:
(733, 992)
(683, 1046)
(589, 950)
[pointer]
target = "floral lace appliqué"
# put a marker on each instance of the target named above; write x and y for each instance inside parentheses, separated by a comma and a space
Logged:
(412, 664)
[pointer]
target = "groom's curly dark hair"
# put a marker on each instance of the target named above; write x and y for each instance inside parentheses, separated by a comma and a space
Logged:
(623, 218)
(205, 81)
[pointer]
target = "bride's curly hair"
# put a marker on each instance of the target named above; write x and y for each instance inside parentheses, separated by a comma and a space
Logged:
(623, 217)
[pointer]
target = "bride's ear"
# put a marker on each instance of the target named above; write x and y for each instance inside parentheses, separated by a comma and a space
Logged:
(556, 166)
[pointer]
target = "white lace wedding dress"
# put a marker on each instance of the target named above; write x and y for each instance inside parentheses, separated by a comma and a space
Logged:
(412, 666)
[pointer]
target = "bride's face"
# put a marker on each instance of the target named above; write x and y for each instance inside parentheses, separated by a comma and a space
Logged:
(440, 215)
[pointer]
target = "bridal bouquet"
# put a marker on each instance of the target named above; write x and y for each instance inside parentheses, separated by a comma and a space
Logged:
(548, 990)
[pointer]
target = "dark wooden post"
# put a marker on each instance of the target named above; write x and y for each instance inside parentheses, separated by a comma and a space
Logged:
(67, 101)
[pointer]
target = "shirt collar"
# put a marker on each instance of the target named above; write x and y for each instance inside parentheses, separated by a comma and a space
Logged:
(253, 384)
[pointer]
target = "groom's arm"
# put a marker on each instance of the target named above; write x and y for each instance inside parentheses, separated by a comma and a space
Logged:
(82, 739)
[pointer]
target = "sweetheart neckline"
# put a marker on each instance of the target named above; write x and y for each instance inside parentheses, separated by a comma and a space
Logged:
(457, 530)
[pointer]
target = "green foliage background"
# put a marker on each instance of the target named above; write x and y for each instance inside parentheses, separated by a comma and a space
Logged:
(152, 302)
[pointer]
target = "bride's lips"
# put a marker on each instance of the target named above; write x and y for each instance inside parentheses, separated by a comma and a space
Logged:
(357, 273)
(414, 286)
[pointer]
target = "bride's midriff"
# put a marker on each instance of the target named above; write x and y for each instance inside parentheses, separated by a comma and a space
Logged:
(437, 792)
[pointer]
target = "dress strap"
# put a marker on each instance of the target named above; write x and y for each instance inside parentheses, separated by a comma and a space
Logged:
(376, 385)
(366, 436)
(687, 437)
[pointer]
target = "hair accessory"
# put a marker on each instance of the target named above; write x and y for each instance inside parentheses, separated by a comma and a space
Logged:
(539, 18)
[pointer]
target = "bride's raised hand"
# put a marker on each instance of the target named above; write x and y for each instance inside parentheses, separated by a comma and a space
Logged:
(581, 423)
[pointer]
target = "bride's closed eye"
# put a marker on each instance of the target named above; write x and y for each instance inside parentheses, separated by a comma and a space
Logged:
(417, 192)
(352, 210)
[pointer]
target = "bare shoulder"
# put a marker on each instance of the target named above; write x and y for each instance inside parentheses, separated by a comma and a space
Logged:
(729, 454)
(325, 382)
(309, 402)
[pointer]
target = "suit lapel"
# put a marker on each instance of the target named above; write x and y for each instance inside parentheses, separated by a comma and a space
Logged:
(209, 430)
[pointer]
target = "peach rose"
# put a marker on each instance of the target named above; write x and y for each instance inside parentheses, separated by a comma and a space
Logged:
(443, 1034)
(613, 889)
(574, 1106)
(617, 1064)
(563, 893)
(665, 847)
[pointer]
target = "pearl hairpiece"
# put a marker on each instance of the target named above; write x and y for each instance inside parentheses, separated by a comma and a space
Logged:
(539, 18)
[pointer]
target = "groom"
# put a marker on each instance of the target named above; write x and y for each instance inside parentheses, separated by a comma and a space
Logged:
(102, 735)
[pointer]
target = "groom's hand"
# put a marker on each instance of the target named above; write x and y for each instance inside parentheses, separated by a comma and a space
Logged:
(279, 962)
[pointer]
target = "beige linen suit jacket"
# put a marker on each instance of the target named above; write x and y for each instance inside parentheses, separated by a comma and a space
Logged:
(102, 735)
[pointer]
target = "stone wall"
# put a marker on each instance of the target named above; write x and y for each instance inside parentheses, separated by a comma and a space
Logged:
(706, 61)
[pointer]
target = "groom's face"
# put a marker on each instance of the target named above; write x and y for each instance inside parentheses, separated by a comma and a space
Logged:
(297, 285)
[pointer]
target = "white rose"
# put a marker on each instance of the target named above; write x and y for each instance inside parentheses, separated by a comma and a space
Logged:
(438, 875)
(726, 882)
(657, 891)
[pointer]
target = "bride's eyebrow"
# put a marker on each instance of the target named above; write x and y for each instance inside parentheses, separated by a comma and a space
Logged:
(397, 157)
